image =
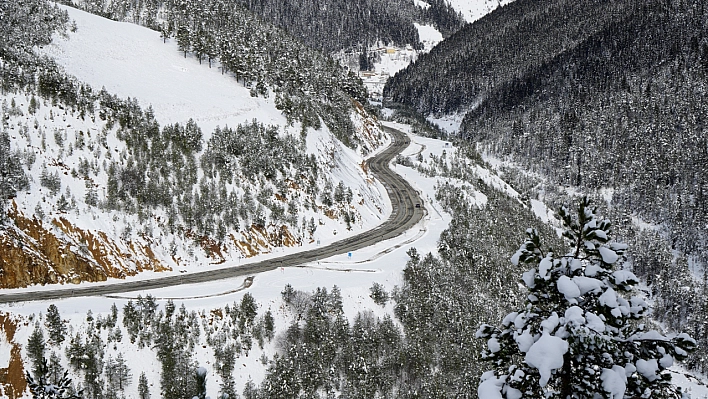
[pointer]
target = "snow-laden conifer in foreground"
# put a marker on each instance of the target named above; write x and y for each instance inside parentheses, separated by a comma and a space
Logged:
(578, 336)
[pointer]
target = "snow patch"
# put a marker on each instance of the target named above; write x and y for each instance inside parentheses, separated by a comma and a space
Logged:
(5, 351)
(587, 284)
(567, 287)
(608, 256)
(540, 210)
(614, 381)
(648, 368)
(428, 35)
(524, 341)
(546, 355)
(450, 124)
(491, 386)
(473, 10)
(421, 4)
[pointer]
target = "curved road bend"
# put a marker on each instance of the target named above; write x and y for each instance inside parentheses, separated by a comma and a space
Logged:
(404, 216)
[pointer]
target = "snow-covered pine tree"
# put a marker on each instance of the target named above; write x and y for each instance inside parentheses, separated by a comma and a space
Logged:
(577, 336)
(143, 387)
(200, 377)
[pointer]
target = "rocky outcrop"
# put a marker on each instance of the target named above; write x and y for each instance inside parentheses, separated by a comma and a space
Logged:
(34, 253)
(259, 239)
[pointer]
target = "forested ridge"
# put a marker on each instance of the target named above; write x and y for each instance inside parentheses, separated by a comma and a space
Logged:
(625, 109)
(345, 25)
(324, 25)
(598, 96)
(507, 43)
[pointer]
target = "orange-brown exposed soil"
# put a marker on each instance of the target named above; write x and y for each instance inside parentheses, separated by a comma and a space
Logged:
(32, 253)
(259, 239)
(12, 378)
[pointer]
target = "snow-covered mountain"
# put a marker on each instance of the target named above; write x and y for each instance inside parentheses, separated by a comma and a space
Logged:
(156, 162)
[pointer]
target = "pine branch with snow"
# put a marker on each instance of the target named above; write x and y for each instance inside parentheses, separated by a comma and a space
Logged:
(42, 388)
(578, 336)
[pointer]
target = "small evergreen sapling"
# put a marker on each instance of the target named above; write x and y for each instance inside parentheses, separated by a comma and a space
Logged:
(143, 387)
(55, 325)
(35, 348)
(577, 335)
(200, 377)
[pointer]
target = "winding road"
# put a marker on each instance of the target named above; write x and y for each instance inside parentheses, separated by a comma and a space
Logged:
(405, 215)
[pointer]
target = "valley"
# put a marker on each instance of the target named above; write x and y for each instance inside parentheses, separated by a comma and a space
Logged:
(414, 199)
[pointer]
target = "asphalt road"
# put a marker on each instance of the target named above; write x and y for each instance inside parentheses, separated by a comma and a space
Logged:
(404, 216)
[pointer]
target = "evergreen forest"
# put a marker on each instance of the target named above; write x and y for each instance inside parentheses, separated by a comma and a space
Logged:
(597, 108)
(601, 97)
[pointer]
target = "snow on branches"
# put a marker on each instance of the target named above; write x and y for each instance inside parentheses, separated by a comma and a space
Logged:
(579, 335)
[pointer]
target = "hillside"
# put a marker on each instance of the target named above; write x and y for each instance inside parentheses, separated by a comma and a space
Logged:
(222, 140)
(512, 40)
(597, 97)
(616, 104)
(324, 25)
(207, 173)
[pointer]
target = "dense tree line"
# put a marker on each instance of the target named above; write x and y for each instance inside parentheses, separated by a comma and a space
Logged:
(322, 353)
(337, 25)
(97, 370)
(445, 298)
(12, 175)
(514, 39)
(24, 26)
(248, 175)
(346, 25)
(323, 25)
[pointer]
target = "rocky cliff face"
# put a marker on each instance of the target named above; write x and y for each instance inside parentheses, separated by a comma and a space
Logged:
(34, 253)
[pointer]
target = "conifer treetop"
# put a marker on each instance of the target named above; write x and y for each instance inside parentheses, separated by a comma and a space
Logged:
(579, 333)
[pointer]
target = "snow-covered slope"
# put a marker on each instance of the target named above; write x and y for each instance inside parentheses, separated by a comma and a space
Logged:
(354, 275)
(132, 61)
(473, 10)
(76, 151)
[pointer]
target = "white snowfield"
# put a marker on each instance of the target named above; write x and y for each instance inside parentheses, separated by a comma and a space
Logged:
(132, 61)
(473, 10)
